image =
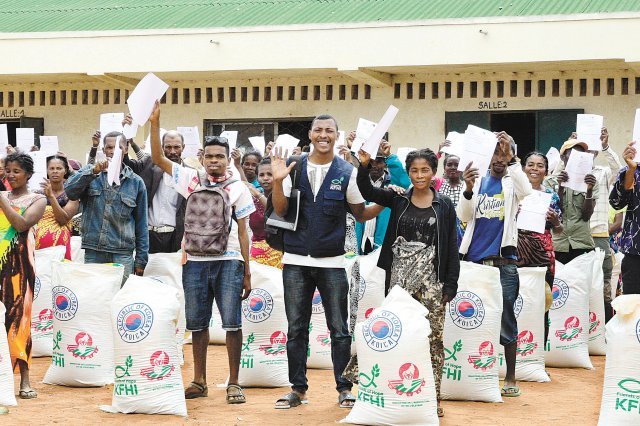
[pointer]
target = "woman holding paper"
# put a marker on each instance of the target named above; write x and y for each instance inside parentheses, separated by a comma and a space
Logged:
(54, 229)
(420, 250)
(534, 248)
(20, 210)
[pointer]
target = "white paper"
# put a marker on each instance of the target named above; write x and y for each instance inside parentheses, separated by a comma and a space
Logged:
(341, 137)
(258, 143)
(4, 140)
(232, 138)
(36, 180)
(113, 171)
(110, 122)
(533, 211)
(144, 96)
(402, 154)
(130, 130)
(24, 139)
(457, 143)
(287, 142)
(636, 127)
(39, 162)
(578, 166)
(49, 144)
(554, 158)
(100, 157)
(192, 143)
(373, 142)
(589, 129)
(479, 146)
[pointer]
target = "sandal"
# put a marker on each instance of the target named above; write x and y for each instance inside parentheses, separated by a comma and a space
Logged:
(196, 390)
(28, 394)
(440, 412)
(346, 399)
(292, 400)
(510, 391)
(235, 395)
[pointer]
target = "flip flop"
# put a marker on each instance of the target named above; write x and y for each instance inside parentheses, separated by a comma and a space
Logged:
(510, 391)
(440, 412)
(28, 394)
(200, 391)
(292, 399)
(235, 395)
(346, 399)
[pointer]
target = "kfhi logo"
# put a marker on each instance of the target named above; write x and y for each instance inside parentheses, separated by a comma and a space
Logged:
(517, 305)
(44, 322)
(466, 310)
(336, 184)
(278, 344)
(570, 331)
(526, 345)
(324, 339)
(382, 331)
(84, 347)
(560, 293)
(134, 322)
(594, 322)
(160, 367)
(628, 396)
(316, 303)
(485, 359)
(410, 381)
(258, 306)
(65, 303)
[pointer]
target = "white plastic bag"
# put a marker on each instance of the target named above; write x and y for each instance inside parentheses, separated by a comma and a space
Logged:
(529, 309)
(42, 309)
(264, 328)
(82, 334)
(567, 346)
(217, 335)
(396, 385)
(147, 375)
(7, 397)
(168, 266)
(319, 355)
(472, 336)
(620, 404)
(597, 343)
(77, 252)
(615, 273)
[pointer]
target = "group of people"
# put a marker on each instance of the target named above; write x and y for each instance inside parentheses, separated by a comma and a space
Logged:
(213, 211)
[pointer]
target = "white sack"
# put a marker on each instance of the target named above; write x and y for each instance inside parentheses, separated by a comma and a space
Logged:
(597, 344)
(77, 253)
(370, 284)
(472, 336)
(7, 397)
(396, 385)
(216, 334)
(82, 334)
(42, 309)
(319, 352)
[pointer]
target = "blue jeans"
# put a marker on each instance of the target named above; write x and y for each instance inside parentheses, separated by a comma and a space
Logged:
(300, 283)
(95, 256)
(204, 281)
(510, 281)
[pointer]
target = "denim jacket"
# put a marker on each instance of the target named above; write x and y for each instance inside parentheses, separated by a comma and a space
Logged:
(114, 218)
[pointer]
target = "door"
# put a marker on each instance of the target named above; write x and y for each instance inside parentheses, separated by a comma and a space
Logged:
(457, 121)
(555, 127)
(37, 124)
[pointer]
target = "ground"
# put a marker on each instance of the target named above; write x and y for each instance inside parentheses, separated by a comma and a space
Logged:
(572, 398)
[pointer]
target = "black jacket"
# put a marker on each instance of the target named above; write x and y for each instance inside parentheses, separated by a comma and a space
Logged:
(448, 260)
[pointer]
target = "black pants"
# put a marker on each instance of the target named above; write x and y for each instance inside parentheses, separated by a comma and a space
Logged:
(630, 271)
(565, 257)
(163, 242)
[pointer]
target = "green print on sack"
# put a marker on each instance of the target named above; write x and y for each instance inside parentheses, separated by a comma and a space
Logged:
(451, 354)
(370, 381)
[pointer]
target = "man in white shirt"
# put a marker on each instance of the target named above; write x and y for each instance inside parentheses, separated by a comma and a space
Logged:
(226, 277)
(314, 253)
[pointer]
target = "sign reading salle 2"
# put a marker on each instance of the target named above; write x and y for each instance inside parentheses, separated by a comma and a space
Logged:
(11, 113)
(492, 105)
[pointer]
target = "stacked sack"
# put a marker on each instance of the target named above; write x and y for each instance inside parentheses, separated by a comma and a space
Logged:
(147, 375)
(7, 396)
(396, 383)
(529, 310)
(217, 335)
(621, 390)
(472, 336)
(368, 281)
(263, 360)
(567, 346)
(82, 337)
(597, 343)
(319, 353)
(42, 309)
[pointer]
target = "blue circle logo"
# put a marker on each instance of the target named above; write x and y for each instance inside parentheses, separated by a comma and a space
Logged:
(466, 310)
(382, 331)
(65, 303)
(134, 322)
(258, 306)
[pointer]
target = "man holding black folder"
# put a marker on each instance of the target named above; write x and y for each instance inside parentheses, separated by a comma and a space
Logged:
(314, 253)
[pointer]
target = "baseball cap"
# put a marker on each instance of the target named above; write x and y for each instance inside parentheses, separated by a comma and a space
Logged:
(571, 143)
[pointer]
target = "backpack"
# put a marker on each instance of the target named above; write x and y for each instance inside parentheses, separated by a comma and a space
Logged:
(208, 217)
(275, 235)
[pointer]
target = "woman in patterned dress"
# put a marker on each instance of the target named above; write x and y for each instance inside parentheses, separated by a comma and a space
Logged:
(20, 210)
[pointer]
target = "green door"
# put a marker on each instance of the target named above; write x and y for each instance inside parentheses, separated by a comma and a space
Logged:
(555, 127)
(457, 121)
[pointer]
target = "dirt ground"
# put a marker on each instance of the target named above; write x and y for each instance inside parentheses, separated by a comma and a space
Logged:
(572, 398)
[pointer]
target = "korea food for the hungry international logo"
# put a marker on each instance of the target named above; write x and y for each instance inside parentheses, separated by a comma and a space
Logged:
(259, 305)
(410, 381)
(570, 331)
(594, 322)
(44, 322)
(485, 358)
(466, 310)
(526, 345)
(382, 331)
(560, 293)
(277, 344)
(65, 303)
(84, 347)
(160, 366)
(134, 322)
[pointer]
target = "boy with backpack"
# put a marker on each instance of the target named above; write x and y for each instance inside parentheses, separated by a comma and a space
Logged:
(216, 243)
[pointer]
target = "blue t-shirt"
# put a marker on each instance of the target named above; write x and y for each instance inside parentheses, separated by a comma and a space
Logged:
(256, 185)
(487, 233)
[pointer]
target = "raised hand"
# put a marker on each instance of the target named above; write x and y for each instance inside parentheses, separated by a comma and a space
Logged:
(629, 154)
(604, 138)
(95, 139)
(590, 180)
(385, 147)
(563, 177)
(268, 148)
(364, 157)
(236, 156)
(279, 168)
(504, 142)
(100, 166)
(154, 118)
(46, 188)
(470, 175)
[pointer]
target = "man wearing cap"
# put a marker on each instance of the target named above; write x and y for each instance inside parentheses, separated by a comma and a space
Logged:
(626, 193)
(577, 209)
